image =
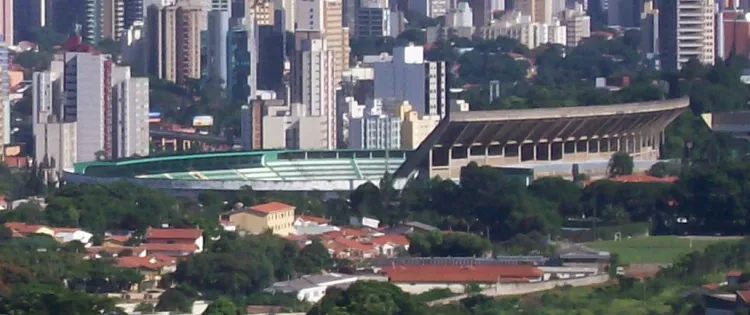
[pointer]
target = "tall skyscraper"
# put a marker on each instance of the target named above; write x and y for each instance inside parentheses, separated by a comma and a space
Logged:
(577, 25)
(624, 13)
(6, 21)
(4, 93)
(134, 11)
(103, 19)
(270, 58)
(314, 86)
(408, 77)
(173, 42)
(218, 31)
(540, 11)
(373, 22)
(325, 16)
(109, 106)
(35, 13)
(650, 34)
(242, 63)
(55, 147)
(686, 30)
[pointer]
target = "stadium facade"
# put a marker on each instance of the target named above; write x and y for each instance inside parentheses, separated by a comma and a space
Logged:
(545, 142)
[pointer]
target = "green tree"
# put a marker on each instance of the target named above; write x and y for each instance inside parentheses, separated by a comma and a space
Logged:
(620, 164)
(222, 306)
(144, 307)
(313, 259)
(174, 300)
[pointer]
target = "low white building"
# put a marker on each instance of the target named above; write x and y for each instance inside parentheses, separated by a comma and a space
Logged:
(66, 235)
(312, 288)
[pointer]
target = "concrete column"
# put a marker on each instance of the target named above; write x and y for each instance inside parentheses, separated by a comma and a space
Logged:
(549, 151)
(534, 154)
(518, 150)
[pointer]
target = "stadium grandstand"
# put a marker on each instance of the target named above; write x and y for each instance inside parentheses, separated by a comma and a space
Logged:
(546, 141)
(529, 143)
(262, 170)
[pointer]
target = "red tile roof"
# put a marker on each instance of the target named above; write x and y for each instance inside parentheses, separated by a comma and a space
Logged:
(348, 244)
(318, 220)
(173, 234)
(271, 207)
(744, 295)
(354, 232)
(149, 262)
(643, 178)
(64, 230)
(734, 273)
(461, 274)
(711, 286)
(399, 240)
(23, 228)
(154, 247)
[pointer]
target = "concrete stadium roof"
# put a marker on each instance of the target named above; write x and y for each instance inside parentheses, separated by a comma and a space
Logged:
(570, 112)
(548, 124)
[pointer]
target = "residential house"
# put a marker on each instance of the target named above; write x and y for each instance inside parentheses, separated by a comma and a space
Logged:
(185, 237)
(115, 240)
(97, 252)
(152, 267)
(390, 245)
(416, 279)
(65, 235)
(23, 229)
(310, 225)
(307, 220)
(312, 288)
(274, 216)
(345, 248)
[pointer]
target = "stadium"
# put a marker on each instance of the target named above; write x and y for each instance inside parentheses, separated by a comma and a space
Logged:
(529, 143)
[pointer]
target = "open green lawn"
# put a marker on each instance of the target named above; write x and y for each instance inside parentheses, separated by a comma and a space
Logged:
(654, 249)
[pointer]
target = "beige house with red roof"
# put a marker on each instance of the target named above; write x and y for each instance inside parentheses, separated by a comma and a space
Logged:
(274, 216)
(23, 229)
(173, 240)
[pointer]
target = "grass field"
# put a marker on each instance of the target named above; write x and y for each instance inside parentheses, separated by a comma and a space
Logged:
(654, 249)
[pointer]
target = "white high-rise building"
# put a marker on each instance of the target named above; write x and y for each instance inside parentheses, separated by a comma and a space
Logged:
(463, 16)
(408, 77)
(54, 138)
(314, 83)
(431, 8)
(577, 24)
(529, 33)
(110, 107)
(695, 31)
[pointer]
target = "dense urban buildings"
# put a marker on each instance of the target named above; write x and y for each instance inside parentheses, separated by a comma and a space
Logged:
(87, 108)
(173, 37)
(686, 30)
(5, 108)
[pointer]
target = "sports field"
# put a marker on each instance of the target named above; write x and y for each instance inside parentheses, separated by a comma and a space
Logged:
(655, 249)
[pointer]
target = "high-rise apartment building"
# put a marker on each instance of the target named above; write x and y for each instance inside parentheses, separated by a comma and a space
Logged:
(109, 106)
(242, 63)
(6, 21)
(431, 8)
(577, 25)
(531, 34)
(650, 34)
(218, 31)
(540, 11)
(270, 58)
(375, 132)
(624, 13)
(325, 16)
(408, 77)
(134, 11)
(4, 93)
(463, 15)
(55, 147)
(314, 86)
(103, 19)
(35, 13)
(173, 42)
(373, 22)
(732, 34)
(686, 30)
